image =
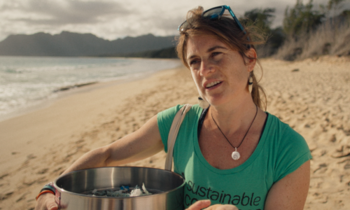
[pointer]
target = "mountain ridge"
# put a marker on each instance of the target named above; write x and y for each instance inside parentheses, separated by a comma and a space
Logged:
(78, 44)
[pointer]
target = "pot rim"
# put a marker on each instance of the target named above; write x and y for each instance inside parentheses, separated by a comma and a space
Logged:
(121, 198)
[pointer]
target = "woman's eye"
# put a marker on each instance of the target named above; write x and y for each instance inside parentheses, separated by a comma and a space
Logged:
(215, 54)
(194, 62)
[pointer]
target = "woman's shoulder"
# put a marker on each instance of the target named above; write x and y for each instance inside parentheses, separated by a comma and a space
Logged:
(289, 149)
(165, 119)
(283, 137)
(171, 112)
(280, 127)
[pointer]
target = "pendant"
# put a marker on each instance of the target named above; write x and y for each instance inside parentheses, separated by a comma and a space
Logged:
(235, 155)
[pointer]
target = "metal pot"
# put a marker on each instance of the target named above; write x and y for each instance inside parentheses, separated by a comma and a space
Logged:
(72, 186)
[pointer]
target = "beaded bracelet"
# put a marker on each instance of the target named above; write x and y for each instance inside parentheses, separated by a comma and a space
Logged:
(49, 187)
(43, 192)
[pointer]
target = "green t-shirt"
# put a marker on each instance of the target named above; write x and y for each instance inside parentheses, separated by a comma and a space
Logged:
(280, 151)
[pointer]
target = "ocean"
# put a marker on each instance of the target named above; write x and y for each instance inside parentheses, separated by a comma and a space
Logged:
(28, 81)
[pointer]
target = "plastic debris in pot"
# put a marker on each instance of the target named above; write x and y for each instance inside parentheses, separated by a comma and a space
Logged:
(124, 191)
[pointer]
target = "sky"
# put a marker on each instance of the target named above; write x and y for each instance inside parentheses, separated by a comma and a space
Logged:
(112, 19)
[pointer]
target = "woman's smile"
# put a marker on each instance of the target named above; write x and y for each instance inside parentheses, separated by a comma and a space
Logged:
(212, 85)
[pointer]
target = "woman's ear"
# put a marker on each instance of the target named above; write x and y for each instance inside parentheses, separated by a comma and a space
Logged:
(251, 57)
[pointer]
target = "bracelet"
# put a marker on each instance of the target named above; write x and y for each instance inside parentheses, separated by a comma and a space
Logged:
(49, 187)
(43, 192)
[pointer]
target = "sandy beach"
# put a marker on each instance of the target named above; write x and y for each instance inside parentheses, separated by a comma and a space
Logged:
(312, 96)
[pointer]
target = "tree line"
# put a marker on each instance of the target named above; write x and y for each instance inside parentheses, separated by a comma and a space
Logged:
(300, 23)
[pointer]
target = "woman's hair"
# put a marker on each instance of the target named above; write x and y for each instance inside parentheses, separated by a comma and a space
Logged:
(227, 31)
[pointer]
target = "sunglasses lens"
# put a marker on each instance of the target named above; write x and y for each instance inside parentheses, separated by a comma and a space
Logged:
(214, 13)
(183, 26)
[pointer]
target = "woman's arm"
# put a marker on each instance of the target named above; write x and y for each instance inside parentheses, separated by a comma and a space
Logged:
(136, 146)
(141, 144)
(290, 192)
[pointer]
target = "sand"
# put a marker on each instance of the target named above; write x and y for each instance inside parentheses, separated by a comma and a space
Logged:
(313, 96)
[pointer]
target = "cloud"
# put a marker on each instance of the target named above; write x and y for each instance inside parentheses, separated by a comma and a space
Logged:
(64, 12)
(113, 19)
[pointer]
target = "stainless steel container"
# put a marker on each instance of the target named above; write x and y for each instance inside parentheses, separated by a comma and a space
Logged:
(71, 188)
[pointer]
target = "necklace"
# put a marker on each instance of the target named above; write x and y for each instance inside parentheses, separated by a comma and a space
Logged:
(235, 154)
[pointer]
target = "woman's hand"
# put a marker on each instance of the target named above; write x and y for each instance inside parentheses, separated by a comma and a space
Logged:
(206, 203)
(46, 202)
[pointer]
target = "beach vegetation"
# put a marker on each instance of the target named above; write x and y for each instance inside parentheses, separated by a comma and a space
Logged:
(301, 19)
(308, 30)
(262, 20)
(312, 31)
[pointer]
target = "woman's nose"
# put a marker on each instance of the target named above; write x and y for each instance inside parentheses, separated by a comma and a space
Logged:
(206, 68)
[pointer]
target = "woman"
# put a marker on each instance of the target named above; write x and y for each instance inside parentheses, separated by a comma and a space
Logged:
(231, 153)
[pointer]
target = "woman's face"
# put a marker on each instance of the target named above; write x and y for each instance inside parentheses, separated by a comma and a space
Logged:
(220, 73)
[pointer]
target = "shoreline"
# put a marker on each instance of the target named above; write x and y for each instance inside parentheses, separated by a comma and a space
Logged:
(77, 88)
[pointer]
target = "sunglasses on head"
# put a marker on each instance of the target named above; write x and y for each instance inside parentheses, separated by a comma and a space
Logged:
(215, 13)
